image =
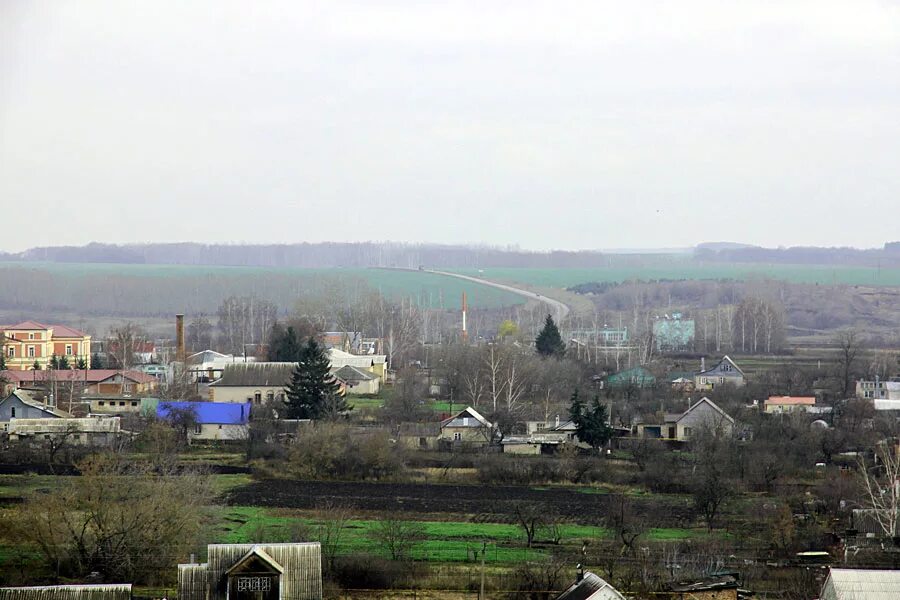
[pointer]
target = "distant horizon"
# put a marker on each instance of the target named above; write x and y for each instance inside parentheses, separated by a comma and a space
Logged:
(462, 245)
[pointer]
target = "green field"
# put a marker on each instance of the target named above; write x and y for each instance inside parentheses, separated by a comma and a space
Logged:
(685, 268)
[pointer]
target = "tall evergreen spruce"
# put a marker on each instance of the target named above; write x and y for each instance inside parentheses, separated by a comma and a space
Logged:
(2, 361)
(313, 392)
(284, 344)
(549, 342)
(591, 421)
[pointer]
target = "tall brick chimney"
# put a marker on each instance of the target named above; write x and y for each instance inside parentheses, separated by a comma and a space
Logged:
(179, 338)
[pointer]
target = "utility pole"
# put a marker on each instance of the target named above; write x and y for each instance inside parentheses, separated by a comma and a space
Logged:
(483, 552)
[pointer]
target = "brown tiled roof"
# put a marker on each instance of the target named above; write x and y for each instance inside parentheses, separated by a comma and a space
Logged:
(83, 375)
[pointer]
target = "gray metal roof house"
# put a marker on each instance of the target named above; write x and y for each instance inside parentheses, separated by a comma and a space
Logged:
(590, 587)
(254, 572)
(861, 584)
(21, 405)
(116, 591)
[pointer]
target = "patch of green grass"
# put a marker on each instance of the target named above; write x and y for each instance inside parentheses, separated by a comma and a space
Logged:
(225, 483)
(444, 541)
(662, 534)
(365, 403)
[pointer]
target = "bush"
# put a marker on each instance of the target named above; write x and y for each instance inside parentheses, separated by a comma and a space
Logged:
(331, 451)
(372, 573)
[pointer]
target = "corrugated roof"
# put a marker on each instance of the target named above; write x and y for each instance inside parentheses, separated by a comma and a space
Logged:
(209, 413)
(75, 375)
(861, 584)
(26, 398)
(351, 373)
(301, 580)
(420, 429)
(792, 400)
(117, 591)
(591, 587)
(261, 374)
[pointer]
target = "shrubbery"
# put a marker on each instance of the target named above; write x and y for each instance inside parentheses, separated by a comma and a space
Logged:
(336, 451)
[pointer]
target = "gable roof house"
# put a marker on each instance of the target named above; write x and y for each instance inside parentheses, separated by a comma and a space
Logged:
(590, 587)
(636, 377)
(702, 414)
(357, 380)
(467, 428)
(788, 404)
(725, 371)
(223, 421)
(861, 584)
(85, 381)
(373, 363)
(421, 436)
(21, 404)
(241, 571)
(252, 382)
(30, 342)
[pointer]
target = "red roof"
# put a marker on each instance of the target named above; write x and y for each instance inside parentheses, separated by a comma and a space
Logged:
(31, 325)
(58, 330)
(77, 375)
(66, 331)
(806, 400)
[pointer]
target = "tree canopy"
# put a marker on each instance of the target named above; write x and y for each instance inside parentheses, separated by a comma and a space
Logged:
(591, 421)
(313, 392)
(549, 342)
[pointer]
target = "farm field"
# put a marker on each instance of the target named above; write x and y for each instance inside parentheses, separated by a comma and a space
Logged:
(482, 503)
(682, 268)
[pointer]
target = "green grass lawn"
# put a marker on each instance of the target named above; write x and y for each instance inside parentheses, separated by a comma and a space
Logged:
(365, 403)
(444, 541)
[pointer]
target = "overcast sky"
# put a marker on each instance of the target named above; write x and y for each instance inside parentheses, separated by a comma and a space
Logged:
(543, 124)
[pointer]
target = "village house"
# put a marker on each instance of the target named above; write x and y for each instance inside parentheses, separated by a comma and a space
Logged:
(788, 404)
(21, 404)
(88, 431)
(878, 389)
(79, 382)
(725, 371)
(637, 377)
(209, 365)
(861, 584)
(30, 343)
(221, 421)
(542, 437)
(589, 586)
(419, 436)
(258, 383)
(357, 380)
(115, 405)
(373, 363)
(466, 428)
(703, 414)
(254, 572)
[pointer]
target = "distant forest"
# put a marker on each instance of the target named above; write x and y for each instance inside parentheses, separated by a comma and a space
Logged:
(394, 254)
(889, 256)
(322, 255)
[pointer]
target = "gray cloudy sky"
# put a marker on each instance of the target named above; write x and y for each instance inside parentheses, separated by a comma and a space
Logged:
(544, 124)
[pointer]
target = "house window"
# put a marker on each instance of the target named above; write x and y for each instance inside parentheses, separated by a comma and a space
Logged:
(220, 427)
(101, 403)
(122, 403)
(270, 397)
(134, 403)
(198, 428)
(30, 336)
(68, 349)
(688, 431)
(11, 351)
(30, 351)
(457, 436)
(726, 367)
(47, 436)
(257, 397)
(77, 436)
(541, 426)
(12, 412)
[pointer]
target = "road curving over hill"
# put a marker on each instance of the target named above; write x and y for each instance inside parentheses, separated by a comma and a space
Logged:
(561, 309)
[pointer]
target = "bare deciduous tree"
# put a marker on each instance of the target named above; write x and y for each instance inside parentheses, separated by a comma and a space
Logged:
(881, 486)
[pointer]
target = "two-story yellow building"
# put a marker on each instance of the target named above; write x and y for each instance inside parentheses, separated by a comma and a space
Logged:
(30, 342)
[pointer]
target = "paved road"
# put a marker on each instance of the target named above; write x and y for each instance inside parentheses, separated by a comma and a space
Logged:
(561, 309)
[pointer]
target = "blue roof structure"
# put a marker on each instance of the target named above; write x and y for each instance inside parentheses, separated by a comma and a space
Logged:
(210, 413)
